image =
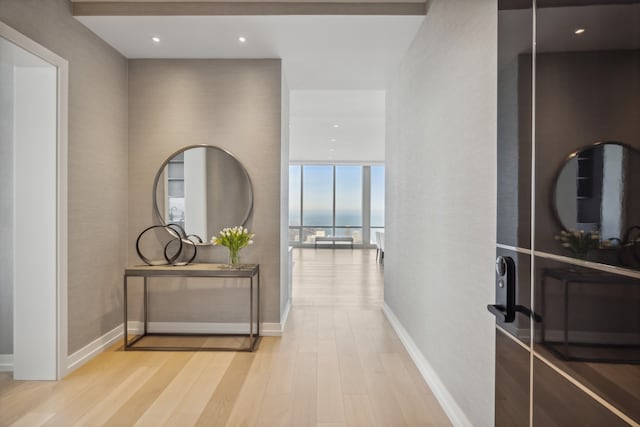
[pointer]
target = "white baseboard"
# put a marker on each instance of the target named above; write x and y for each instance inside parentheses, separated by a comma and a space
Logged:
(134, 327)
(266, 329)
(270, 329)
(86, 353)
(6, 362)
(448, 403)
(89, 351)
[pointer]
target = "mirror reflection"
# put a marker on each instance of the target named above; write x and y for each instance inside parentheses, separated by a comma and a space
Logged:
(595, 189)
(203, 189)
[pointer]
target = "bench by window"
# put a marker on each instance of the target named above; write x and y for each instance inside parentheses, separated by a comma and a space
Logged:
(333, 239)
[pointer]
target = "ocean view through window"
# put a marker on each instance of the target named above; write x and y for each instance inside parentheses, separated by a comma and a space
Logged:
(335, 200)
(377, 201)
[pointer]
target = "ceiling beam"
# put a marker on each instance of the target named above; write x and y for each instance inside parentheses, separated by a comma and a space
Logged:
(218, 8)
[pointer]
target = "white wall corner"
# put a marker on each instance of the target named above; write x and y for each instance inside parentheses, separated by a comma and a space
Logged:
(6, 362)
(285, 265)
(285, 315)
(456, 415)
(91, 350)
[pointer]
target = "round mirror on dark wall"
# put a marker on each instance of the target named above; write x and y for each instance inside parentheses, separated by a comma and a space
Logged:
(597, 192)
(203, 189)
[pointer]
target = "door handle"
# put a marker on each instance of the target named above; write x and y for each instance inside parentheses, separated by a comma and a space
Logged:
(501, 312)
(528, 312)
(506, 279)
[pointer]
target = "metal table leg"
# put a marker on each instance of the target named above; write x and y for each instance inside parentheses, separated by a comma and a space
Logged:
(145, 305)
(543, 304)
(251, 313)
(565, 283)
(126, 321)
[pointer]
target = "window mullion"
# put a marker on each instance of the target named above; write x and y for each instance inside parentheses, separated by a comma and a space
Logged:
(366, 205)
(333, 225)
(301, 230)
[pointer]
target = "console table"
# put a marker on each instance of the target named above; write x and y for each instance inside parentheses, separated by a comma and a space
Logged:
(212, 271)
(333, 239)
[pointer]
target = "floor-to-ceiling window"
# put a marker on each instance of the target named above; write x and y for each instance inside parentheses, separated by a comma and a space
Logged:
(335, 200)
(317, 201)
(348, 210)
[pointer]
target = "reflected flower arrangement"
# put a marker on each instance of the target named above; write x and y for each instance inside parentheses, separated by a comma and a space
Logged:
(579, 242)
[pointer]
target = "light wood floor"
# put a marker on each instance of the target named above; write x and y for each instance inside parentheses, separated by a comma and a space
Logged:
(337, 278)
(339, 363)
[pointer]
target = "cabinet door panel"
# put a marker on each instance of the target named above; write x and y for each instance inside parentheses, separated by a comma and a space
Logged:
(557, 402)
(587, 104)
(512, 383)
(590, 328)
(515, 41)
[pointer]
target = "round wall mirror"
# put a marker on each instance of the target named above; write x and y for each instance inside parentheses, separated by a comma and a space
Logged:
(597, 189)
(203, 189)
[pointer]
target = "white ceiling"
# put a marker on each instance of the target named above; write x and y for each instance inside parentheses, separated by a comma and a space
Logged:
(337, 67)
(358, 137)
(318, 52)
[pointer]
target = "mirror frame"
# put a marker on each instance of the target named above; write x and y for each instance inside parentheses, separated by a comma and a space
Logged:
(567, 159)
(182, 150)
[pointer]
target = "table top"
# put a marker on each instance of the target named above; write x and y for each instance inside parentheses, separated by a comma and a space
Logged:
(194, 270)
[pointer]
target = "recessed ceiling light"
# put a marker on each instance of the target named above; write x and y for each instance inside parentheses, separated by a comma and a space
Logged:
(336, 126)
(333, 140)
(156, 39)
(242, 39)
(579, 30)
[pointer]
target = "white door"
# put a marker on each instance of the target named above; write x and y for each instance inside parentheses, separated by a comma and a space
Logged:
(33, 203)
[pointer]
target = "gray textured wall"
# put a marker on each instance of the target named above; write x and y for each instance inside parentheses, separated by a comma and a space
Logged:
(97, 162)
(441, 198)
(236, 105)
(6, 207)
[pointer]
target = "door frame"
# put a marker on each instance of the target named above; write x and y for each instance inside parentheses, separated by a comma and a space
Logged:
(61, 299)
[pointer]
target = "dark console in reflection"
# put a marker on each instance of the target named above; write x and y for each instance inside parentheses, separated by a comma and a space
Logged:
(592, 315)
(590, 328)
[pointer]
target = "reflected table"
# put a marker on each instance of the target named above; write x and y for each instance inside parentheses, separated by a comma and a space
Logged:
(624, 353)
(210, 271)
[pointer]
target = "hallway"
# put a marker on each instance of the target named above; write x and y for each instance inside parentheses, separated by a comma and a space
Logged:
(339, 363)
(337, 278)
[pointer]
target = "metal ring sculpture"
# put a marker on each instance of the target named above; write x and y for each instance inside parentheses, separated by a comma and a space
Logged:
(629, 246)
(178, 235)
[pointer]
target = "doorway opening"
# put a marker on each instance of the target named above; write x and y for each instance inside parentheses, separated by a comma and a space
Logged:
(336, 196)
(33, 108)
